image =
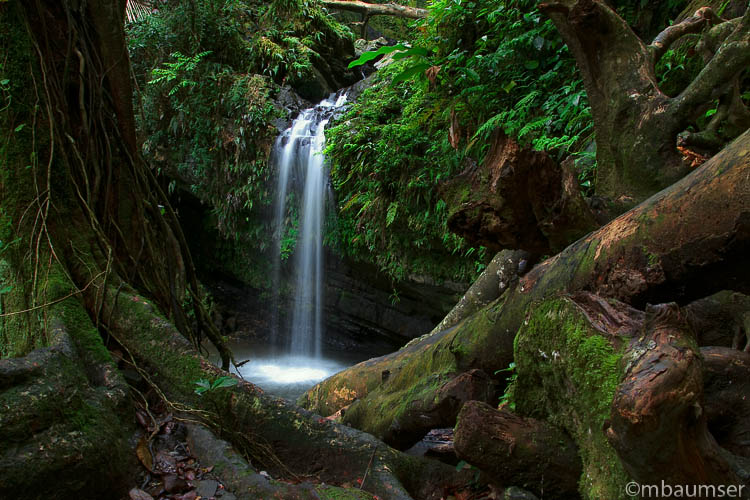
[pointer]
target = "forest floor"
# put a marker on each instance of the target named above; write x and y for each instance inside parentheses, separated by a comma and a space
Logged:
(170, 469)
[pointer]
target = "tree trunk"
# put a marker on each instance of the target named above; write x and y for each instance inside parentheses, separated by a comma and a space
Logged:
(517, 198)
(726, 381)
(636, 124)
(658, 425)
(518, 451)
(377, 9)
(678, 245)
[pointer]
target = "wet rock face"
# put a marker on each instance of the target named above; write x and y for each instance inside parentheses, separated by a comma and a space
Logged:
(330, 72)
(360, 313)
(361, 306)
(290, 104)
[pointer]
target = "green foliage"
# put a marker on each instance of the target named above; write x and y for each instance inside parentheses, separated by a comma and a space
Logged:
(182, 68)
(417, 68)
(207, 71)
(288, 240)
(494, 66)
(388, 153)
(679, 66)
(206, 386)
(507, 396)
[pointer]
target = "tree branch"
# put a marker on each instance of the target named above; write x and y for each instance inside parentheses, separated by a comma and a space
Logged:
(730, 58)
(703, 17)
(372, 9)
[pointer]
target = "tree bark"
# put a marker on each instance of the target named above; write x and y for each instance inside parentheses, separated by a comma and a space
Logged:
(636, 124)
(377, 9)
(517, 198)
(659, 424)
(518, 451)
(726, 382)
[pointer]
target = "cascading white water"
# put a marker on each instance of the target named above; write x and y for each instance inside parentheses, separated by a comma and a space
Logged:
(288, 370)
(302, 169)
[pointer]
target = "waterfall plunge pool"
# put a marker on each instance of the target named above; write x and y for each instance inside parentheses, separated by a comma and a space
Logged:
(285, 375)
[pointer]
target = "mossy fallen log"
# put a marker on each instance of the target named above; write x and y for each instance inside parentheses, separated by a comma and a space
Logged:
(680, 244)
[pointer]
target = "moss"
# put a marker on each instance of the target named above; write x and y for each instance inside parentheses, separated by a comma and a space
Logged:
(19, 334)
(568, 374)
(335, 493)
(59, 424)
(414, 383)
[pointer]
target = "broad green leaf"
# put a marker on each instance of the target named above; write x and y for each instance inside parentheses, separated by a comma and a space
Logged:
(414, 51)
(372, 54)
(531, 64)
(203, 383)
(20, 127)
(409, 72)
(224, 382)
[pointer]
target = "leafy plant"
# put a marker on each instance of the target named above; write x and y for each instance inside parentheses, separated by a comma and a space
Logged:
(417, 67)
(181, 69)
(221, 382)
(507, 397)
(207, 73)
(495, 66)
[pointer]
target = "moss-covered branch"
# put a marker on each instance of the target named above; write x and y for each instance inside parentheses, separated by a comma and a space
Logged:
(377, 9)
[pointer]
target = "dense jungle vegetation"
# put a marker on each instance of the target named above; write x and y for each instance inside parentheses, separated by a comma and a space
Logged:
(583, 163)
(208, 72)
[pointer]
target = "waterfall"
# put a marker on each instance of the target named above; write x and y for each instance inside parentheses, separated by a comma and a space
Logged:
(302, 170)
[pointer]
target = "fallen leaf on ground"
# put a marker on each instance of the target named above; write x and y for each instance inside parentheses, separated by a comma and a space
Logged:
(144, 455)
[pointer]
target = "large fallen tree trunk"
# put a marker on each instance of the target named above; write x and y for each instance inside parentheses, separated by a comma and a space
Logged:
(678, 245)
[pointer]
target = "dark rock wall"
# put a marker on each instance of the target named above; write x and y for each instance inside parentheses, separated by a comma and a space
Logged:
(363, 306)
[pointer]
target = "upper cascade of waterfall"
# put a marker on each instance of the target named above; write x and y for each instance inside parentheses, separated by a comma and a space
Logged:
(302, 171)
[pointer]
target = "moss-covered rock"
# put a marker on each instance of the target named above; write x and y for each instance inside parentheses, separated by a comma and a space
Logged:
(567, 374)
